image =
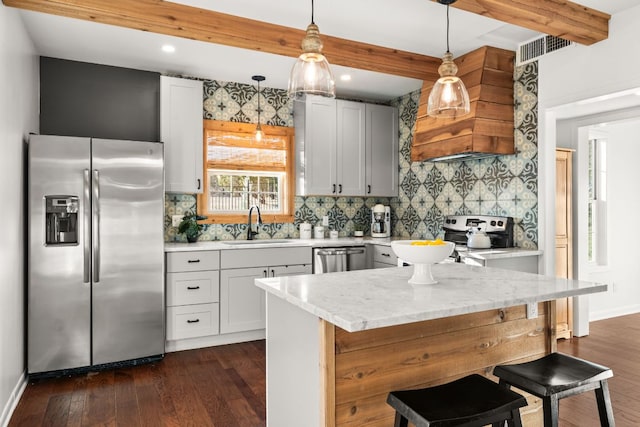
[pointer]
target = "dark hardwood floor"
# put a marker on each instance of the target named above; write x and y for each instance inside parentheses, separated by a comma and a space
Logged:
(614, 343)
(218, 386)
(225, 387)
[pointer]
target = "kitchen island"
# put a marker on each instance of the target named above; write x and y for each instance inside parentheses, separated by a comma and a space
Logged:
(338, 343)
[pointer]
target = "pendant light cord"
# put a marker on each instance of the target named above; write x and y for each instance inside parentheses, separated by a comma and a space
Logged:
(312, 12)
(447, 28)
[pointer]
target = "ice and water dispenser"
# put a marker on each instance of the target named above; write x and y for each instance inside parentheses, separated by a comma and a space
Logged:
(61, 216)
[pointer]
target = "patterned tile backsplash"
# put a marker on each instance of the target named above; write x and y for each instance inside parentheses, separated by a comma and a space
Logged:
(501, 185)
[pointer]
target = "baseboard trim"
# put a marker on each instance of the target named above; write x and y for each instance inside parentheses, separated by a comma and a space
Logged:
(213, 340)
(14, 398)
(617, 312)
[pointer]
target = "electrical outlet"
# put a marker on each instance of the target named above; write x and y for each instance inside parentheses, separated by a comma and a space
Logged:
(532, 310)
(175, 220)
(325, 220)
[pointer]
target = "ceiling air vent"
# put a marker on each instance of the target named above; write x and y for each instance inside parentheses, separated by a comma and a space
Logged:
(533, 49)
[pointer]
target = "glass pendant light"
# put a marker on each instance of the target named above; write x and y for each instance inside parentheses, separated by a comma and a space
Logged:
(311, 73)
(449, 97)
(259, 133)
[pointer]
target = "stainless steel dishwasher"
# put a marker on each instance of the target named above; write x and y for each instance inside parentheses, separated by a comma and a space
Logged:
(346, 258)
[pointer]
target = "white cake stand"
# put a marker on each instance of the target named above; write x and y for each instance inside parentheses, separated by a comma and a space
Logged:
(422, 258)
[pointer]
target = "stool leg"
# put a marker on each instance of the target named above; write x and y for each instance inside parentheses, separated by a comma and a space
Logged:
(604, 405)
(551, 412)
(515, 420)
(400, 421)
(504, 384)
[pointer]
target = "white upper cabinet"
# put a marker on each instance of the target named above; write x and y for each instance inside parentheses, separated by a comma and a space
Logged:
(181, 133)
(316, 143)
(345, 148)
(382, 151)
(350, 156)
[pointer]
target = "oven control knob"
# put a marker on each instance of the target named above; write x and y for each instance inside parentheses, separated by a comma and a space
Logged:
(453, 221)
(493, 223)
(500, 223)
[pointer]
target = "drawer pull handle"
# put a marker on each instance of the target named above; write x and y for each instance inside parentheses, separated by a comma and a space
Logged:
(193, 288)
(193, 321)
(383, 254)
(191, 261)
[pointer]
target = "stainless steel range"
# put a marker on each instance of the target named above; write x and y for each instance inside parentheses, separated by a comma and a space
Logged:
(498, 228)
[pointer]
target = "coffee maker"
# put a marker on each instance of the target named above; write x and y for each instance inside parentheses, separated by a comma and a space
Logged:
(381, 221)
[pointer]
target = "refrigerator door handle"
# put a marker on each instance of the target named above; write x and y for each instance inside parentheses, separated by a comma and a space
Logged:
(95, 225)
(86, 221)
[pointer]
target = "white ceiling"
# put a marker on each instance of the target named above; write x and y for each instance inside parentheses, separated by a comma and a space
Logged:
(410, 25)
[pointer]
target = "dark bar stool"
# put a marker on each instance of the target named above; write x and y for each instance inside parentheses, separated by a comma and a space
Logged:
(472, 401)
(557, 376)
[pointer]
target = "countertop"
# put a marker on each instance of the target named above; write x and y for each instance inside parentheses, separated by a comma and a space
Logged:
(497, 253)
(275, 243)
(342, 241)
(369, 299)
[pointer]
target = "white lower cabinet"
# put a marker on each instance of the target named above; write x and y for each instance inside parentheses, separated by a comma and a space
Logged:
(383, 256)
(212, 298)
(192, 321)
(242, 303)
(193, 288)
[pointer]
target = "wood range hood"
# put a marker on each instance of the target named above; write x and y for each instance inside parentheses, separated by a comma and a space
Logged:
(488, 129)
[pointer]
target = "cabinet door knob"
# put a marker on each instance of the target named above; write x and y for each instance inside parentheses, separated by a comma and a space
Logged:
(369, 189)
(198, 183)
(339, 188)
(264, 273)
(334, 189)
(273, 273)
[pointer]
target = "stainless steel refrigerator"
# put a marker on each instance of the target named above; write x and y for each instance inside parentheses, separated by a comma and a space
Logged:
(96, 257)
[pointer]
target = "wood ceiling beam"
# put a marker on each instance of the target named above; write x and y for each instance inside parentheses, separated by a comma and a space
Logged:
(560, 18)
(193, 23)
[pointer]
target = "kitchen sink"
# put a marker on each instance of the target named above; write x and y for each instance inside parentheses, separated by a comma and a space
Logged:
(257, 242)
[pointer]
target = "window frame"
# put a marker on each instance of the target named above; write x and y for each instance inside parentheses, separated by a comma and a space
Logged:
(597, 239)
(288, 133)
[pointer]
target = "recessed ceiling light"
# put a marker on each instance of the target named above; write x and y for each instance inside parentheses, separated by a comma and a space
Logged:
(345, 78)
(168, 48)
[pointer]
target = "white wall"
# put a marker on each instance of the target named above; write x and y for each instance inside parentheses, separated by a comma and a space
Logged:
(19, 81)
(623, 176)
(577, 82)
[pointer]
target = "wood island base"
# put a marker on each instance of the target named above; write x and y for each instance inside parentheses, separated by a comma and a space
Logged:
(321, 375)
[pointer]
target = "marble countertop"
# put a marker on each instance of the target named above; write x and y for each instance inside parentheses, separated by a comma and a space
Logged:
(342, 241)
(369, 299)
(276, 243)
(497, 253)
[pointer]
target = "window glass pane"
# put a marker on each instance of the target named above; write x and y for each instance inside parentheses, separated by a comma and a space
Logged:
(233, 192)
(597, 205)
(591, 170)
(590, 234)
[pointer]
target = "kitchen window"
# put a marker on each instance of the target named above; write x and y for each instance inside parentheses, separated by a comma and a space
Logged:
(241, 172)
(597, 208)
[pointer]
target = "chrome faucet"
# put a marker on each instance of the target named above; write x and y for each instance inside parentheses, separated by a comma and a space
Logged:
(250, 232)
